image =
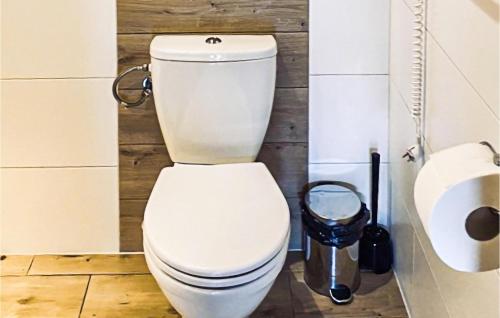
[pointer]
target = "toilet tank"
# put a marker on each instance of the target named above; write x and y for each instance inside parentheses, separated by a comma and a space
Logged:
(213, 95)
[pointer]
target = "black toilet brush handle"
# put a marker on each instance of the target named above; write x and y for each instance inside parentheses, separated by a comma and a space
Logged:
(375, 182)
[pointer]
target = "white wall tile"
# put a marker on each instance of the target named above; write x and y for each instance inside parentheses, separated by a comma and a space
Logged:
(455, 113)
(469, 33)
(468, 295)
(401, 54)
(462, 106)
(349, 37)
(462, 293)
(425, 298)
(358, 175)
(58, 38)
(52, 210)
(402, 135)
(402, 234)
(348, 116)
(58, 123)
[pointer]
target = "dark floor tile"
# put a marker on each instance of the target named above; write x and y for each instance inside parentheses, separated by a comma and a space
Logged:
(294, 262)
(278, 303)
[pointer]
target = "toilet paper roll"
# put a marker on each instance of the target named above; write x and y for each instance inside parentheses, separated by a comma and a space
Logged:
(457, 198)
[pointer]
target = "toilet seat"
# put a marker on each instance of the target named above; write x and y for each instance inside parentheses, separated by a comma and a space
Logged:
(219, 221)
(215, 283)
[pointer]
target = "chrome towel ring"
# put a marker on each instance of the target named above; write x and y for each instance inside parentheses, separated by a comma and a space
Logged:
(147, 87)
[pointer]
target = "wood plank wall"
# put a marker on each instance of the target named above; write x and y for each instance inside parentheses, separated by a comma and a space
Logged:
(142, 150)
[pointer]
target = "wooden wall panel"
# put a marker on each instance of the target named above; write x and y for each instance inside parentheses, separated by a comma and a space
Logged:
(139, 125)
(139, 168)
(286, 161)
(142, 150)
(131, 216)
(289, 119)
(208, 16)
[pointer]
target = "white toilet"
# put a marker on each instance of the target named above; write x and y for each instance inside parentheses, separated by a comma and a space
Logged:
(216, 226)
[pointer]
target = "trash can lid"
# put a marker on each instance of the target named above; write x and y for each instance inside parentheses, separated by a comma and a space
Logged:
(332, 202)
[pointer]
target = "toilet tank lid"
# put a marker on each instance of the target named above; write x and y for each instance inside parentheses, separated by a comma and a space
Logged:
(213, 48)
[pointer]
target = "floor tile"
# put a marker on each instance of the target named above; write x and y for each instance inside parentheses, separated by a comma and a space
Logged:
(294, 262)
(378, 296)
(278, 303)
(126, 296)
(42, 296)
(15, 265)
(89, 264)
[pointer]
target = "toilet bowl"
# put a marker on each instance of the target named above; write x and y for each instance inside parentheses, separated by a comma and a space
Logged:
(195, 302)
(231, 301)
(216, 237)
(216, 226)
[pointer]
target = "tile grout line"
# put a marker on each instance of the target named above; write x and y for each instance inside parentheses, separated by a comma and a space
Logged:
(57, 167)
(84, 296)
(82, 274)
(29, 267)
(289, 279)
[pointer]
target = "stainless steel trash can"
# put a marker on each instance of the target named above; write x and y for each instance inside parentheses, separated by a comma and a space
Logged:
(333, 217)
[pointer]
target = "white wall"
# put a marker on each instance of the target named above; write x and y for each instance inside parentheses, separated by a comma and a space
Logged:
(59, 143)
(348, 92)
(461, 106)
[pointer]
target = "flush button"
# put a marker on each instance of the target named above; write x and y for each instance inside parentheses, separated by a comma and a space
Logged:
(213, 40)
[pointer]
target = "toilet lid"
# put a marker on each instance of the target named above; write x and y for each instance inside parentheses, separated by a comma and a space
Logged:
(216, 221)
(214, 282)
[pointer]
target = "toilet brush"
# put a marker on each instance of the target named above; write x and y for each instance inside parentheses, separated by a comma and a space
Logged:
(375, 244)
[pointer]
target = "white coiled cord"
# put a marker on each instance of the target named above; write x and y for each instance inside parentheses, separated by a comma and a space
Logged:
(418, 67)
(418, 79)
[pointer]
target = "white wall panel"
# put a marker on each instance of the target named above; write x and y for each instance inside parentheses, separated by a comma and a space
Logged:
(468, 31)
(402, 136)
(58, 58)
(401, 48)
(58, 123)
(402, 235)
(349, 37)
(59, 210)
(58, 38)
(455, 113)
(424, 295)
(459, 109)
(348, 116)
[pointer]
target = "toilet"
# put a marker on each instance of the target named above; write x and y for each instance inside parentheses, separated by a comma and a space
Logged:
(216, 226)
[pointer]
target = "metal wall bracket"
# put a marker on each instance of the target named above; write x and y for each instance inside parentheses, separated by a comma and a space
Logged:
(496, 155)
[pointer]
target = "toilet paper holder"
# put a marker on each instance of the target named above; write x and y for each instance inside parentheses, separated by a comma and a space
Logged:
(456, 197)
(496, 155)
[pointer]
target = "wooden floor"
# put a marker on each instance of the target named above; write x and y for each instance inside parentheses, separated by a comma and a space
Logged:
(120, 286)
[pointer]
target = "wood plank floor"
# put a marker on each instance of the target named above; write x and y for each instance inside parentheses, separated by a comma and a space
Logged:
(102, 286)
